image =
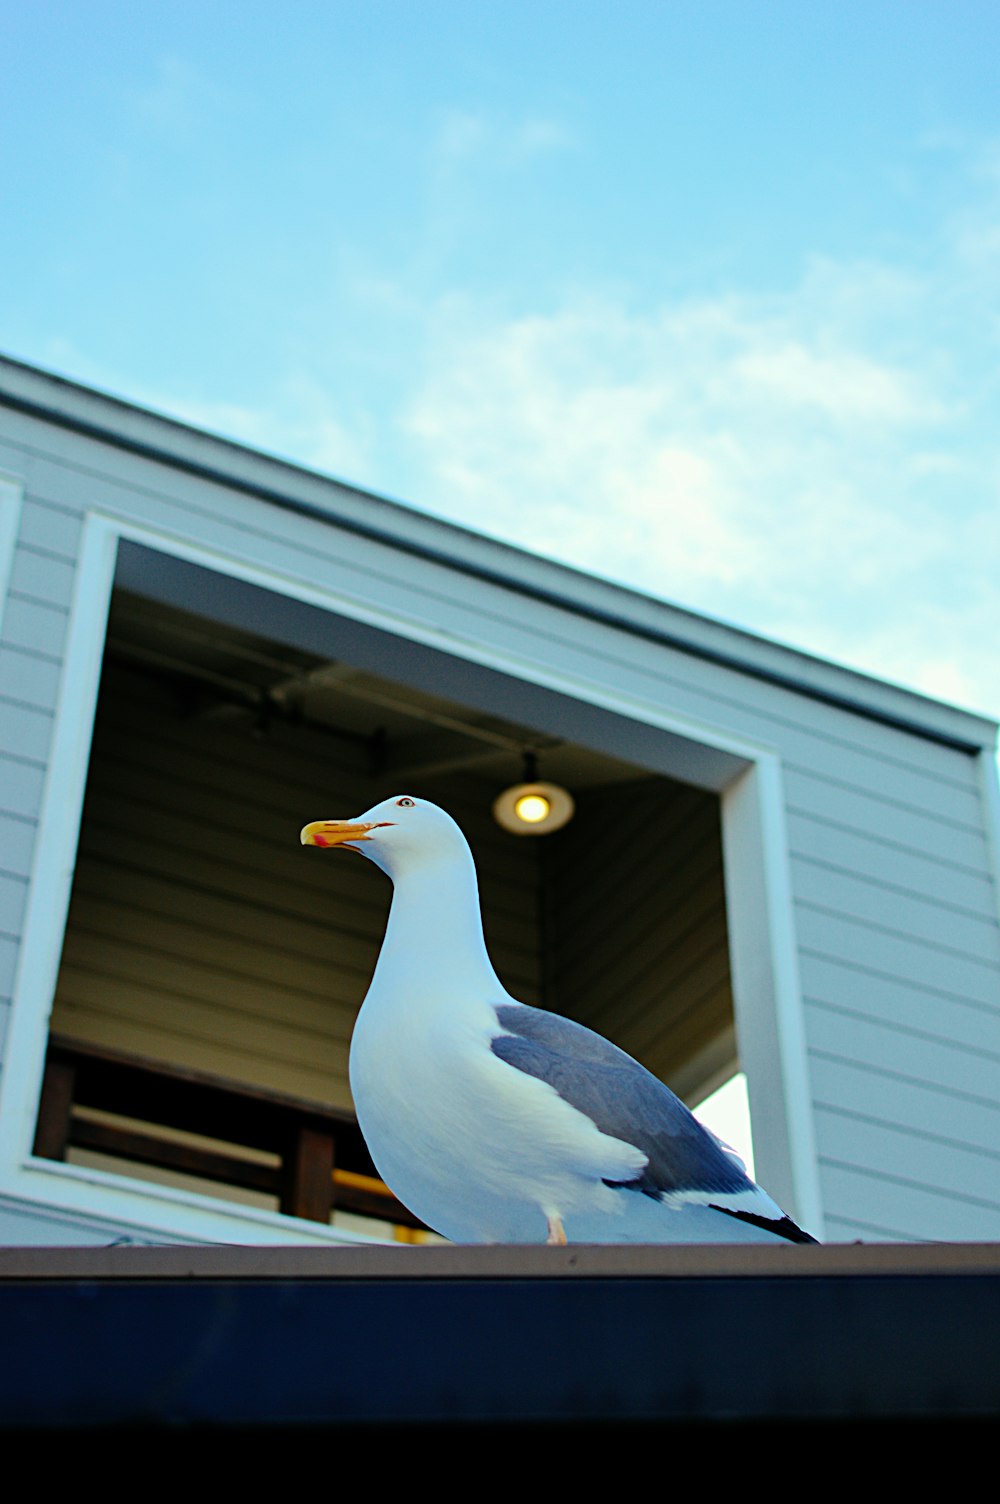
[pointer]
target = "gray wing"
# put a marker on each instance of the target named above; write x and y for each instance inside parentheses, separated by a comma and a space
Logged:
(621, 1097)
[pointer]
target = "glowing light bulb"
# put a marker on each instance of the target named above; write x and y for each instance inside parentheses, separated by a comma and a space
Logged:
(531, 808)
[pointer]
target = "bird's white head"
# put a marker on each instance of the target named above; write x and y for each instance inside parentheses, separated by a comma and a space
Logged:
(401, 835)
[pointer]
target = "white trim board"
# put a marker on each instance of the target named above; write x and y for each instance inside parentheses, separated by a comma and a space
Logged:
(55, 846)
(706, 755)
(988, 769)
(11, 504)
(767, 994)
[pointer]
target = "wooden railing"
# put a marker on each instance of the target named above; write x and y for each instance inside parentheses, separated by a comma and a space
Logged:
(313, 1159)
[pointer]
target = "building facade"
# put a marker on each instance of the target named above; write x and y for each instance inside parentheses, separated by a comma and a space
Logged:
(775, 862)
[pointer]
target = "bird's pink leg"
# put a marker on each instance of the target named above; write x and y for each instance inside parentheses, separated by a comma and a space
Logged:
(557, 1233)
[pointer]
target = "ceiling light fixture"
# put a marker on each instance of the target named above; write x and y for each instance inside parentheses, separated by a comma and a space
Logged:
(532, 808)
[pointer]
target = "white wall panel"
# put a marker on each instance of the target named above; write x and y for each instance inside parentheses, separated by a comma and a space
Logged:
(17, 842)
(948, 1167)
(870, 854)
(8, 964)
(922, 829)
(25, 731)
(49, 528)
(937, 920)
(21, 785)
(13, 894)
(947, 1017)
(907, 957)
(29, 676)
(32, 625)
(960, 1081)
(904, 1207)
(42, 576)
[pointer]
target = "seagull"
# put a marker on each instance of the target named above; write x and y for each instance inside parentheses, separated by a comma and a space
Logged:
(496, 1122)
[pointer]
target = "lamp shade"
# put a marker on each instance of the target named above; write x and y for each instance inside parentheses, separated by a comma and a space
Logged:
(533, 809)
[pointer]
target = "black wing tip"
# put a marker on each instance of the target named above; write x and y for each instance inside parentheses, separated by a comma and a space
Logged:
(785, 1228)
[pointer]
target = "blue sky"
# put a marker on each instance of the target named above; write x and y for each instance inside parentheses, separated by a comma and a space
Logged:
(703, 295)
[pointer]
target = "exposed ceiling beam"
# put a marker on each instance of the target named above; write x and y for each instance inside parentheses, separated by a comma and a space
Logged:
(438, 752)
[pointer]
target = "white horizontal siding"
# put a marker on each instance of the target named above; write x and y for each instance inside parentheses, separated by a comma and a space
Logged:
(816, 838)
(42, 575)
(29, 677)
(52, 530)
(948, 1017)
(965, 1083)
(17, 842)
(936, 1133)
(891, 906)
(13, 896)
(13, 460)
(904, 1206)
(25, 732)
(950, 1168)
(853, 1230)
(8, 966)
(910, 958)
(21, 784)
(929, 829)
(36, 626)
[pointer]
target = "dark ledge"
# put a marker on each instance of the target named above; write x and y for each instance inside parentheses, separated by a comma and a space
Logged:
(493, 1262)
(333, 1342)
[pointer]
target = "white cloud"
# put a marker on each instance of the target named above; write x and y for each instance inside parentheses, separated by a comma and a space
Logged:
(538, 134)
(848, 387)
(479, 137)
(806, 464)
(460, 134)
(178, 101)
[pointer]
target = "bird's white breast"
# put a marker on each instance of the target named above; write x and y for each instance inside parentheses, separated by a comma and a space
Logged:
(433, 1101)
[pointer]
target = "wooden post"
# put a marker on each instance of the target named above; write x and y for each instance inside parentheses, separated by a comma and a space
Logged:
(55, 1108)
(308, 1175)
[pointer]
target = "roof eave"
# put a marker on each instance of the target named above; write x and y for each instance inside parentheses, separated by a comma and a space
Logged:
(296, 488)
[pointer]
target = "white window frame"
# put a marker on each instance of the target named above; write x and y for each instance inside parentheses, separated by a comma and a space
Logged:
(767, 995)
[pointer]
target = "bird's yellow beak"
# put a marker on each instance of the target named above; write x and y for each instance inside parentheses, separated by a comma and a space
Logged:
(338, 832)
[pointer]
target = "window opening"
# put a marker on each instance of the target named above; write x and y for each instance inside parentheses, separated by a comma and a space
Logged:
(211, 971)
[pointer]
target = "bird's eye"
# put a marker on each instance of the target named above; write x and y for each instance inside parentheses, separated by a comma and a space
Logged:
(406, 803)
